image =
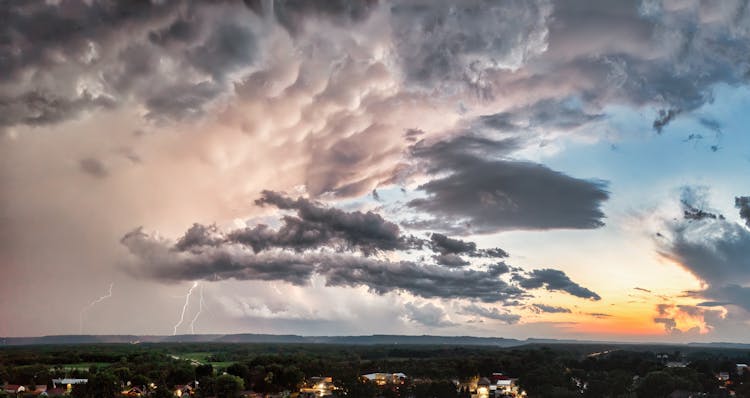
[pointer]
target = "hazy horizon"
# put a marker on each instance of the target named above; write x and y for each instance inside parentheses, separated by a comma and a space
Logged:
(567, 170)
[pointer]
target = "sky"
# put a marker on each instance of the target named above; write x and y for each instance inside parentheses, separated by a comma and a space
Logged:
(511, 168)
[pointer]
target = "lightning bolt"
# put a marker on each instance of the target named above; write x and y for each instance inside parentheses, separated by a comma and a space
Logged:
(197, 314)
(184, 307)
(91, 305)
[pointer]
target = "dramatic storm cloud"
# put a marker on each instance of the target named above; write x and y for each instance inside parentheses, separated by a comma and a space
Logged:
(466, 167)
(258, 253)
(486, 192)
(552, 279)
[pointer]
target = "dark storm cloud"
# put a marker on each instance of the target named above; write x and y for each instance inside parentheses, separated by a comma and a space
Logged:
(652, 54)
(330, 242)
(316, 224)
(37, 108)
(545, 114)
(122, 50)
(449, 246)
(490, 313)
(483, 193)
(665, 117)
(93, 167)
(443, 44)
(554, 280)
(292, 13)
(450, 260)
(428, 281)
(743, 204)
(232, 43)
(200, 235)
(551, 309)
(158, 260)
(181, 100)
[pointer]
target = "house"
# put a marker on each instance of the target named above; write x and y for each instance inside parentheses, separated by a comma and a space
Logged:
(741, 368)
(133, 392)
(183, 390)
(723, 376)
(318, 387)
(54, 392)
(14, 389)
(382, 379)
(685, 394)
(67, 384)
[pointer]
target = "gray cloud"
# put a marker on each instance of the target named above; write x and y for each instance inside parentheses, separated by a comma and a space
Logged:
(669, 323)
(63, 59)
(539, 308)
(36, 108)
(490, 313)
(665, 117)
(157, 259)
(712, 248)
(556, 280)
(93, 167)
(292, 13)
(743, 204)
(564, 114)
(294, 254)
(450, 46)
(450, 260)
(485, 194)
(452, 247)
(316, 224)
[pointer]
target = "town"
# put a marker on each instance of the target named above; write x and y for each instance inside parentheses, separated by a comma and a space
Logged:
(380, 371)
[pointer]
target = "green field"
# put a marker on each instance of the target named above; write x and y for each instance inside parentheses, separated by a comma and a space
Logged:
(84, 365)
(202, 357)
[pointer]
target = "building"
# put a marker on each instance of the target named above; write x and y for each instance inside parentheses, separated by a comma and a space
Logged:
(67, 384)
(318, 387)
(133, 392)
(14, 389)
(183, 390)
(382, 379)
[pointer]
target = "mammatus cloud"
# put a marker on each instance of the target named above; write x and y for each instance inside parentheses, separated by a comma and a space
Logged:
(483, 191)
(206, 253)
(344, 88)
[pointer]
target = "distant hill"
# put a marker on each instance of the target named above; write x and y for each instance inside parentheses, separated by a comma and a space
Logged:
(263, 338)
(377, 339)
